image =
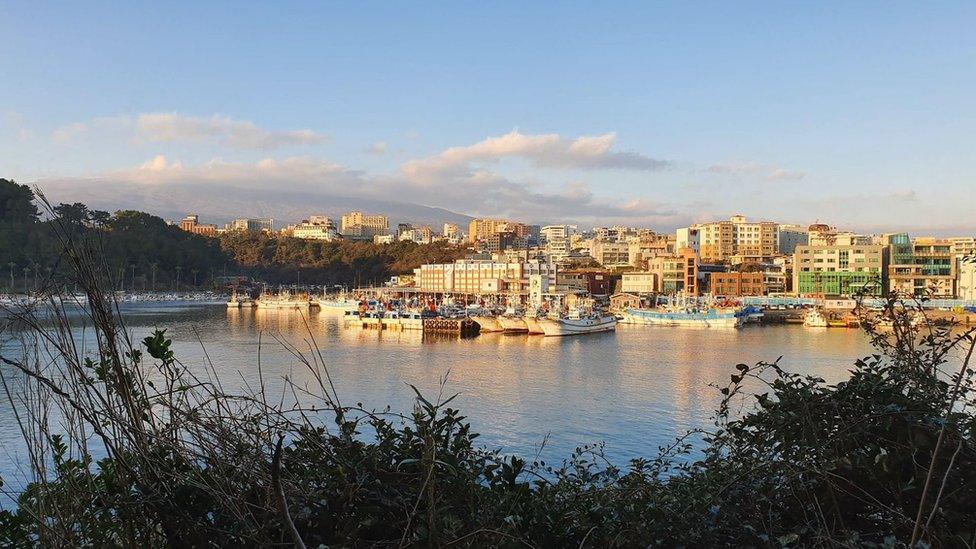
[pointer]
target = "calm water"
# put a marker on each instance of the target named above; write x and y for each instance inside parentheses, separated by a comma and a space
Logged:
(635, 389)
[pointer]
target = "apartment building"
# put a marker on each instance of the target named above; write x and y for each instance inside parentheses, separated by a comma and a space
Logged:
(845, 269)
(191, 224)
(921, 267)
(790, 236)
(452, 233)
(610, 254)
(360, 226)
(737, 284)
(966, 278)
(252, 225)
(638, 282)
(750, 241)
(676, 273)
(557, 240)
(482, 276)
(316, 227)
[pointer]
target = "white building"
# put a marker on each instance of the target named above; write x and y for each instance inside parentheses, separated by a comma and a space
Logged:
(316, 227)
(966, 279)
(638, 283)
(791, 236)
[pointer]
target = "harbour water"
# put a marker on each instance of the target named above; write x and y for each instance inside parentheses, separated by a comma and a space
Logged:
(634, 389)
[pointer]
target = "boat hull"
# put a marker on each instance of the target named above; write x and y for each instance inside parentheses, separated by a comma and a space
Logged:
(682, 319)
(512, 324)
(532, 323)
(488, 323)
(567, 327)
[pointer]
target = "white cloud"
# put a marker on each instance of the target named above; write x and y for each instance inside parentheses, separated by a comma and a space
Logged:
(547, 150)
(379, 148)
(752, 168)
(780, 174)
(176, 127)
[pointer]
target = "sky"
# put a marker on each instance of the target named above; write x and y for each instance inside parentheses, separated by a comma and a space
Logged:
(862, 115)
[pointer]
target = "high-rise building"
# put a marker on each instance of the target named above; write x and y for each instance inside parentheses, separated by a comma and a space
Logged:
(721, 241)
(357, 225)
(790, 236)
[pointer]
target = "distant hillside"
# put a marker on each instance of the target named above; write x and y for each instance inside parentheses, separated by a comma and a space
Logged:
(173, 201)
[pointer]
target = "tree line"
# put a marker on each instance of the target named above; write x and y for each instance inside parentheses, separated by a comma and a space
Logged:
(143, 252)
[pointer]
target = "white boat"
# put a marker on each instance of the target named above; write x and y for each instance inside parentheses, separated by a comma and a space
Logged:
(284, 300)
(488, 323)
(532, 322)
(577, 323)
(815, 319)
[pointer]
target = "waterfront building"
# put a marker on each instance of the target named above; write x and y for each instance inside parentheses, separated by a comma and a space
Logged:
(966, 278)
(482, 276)
(920, 267)
(597, 283)
(719, 241)
(359, 226)
(845, 268)
(737, 284)
(191, 224)
(676, 273)
(638, 282)
(384, 239)
(316, 227)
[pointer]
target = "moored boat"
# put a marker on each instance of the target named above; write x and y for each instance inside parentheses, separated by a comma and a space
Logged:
(577, 323)
(815, 319)
(488, 323)
(710, 318)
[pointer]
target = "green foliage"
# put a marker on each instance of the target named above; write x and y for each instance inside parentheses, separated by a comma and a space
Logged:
(807, 464)
(347, 262)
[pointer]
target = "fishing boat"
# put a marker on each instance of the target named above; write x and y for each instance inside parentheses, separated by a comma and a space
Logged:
(285, 300)
(238, 301)
(488, 323)
(577, 322)
(532, 322)
(337, 302)
(511, 321)
(689, 312)
(815, 319)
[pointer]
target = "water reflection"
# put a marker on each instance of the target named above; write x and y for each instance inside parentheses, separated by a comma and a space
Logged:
(636, 389)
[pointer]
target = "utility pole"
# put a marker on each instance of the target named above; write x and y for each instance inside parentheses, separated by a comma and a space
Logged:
(26, 279)
(153, 266)
(11, 264)
(179, 268)
(132, 286)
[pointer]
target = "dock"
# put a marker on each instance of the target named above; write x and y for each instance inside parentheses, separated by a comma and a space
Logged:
(464, 327)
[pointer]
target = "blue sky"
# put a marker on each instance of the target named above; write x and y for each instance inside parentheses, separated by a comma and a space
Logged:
(859, 114)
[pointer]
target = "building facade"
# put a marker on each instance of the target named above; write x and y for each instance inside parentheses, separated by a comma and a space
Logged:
(359, 226)
(482, 276)
(638, 282)
(752, 241)
(923, 267)
(840, 269)
(191, 224)
(737, 284)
